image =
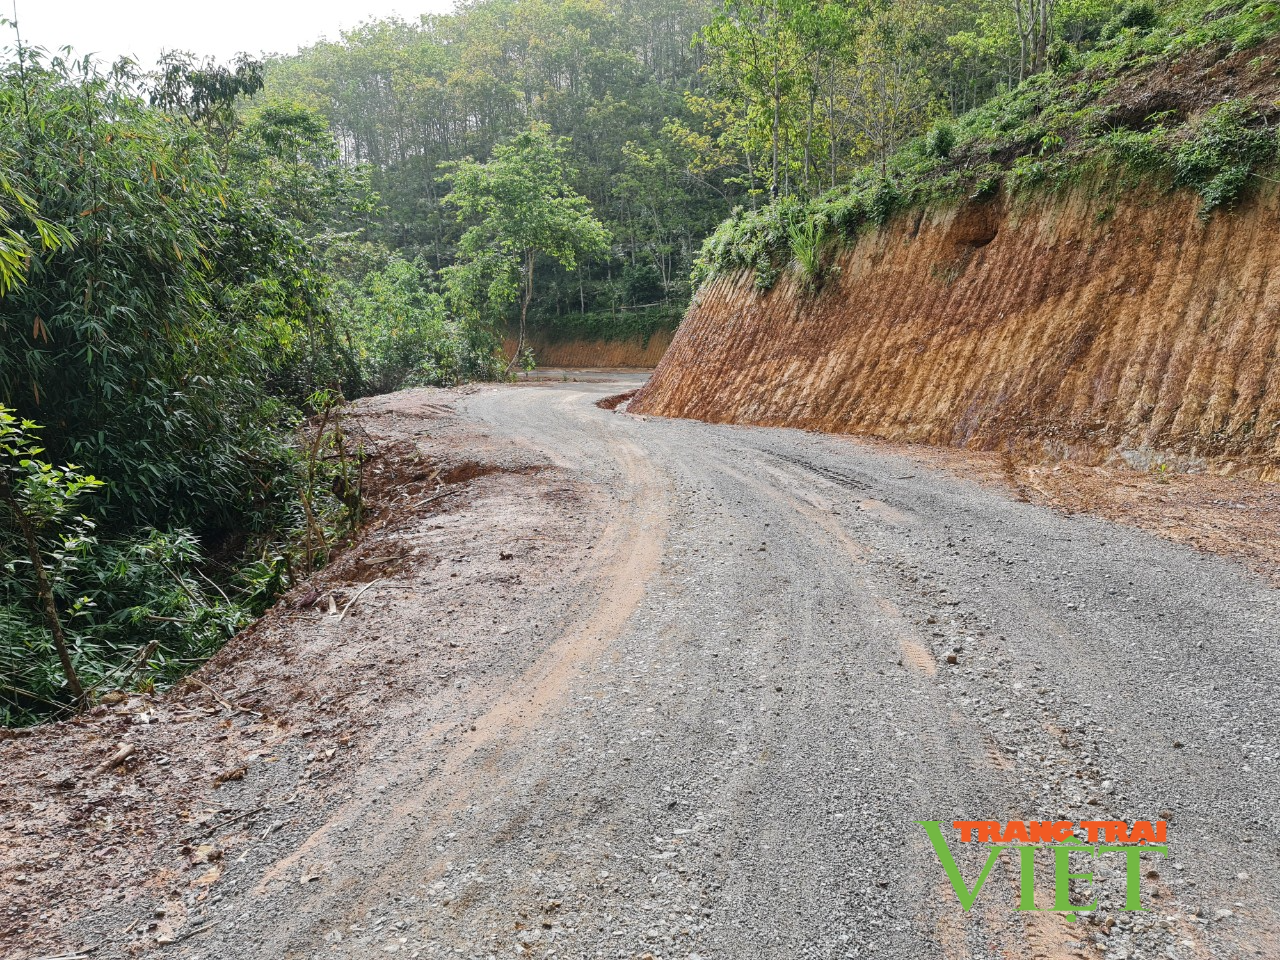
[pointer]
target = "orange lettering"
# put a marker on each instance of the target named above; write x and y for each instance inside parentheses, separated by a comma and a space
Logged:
(1117, 831)
(1015, 830)
(987, 830)
(1048, 831)
(1091, 828)
(1142, 832)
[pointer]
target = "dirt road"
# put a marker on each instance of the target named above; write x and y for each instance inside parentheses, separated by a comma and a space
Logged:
(720, 676)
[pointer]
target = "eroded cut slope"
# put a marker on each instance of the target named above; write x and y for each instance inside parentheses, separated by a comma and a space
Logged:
(1074, 326)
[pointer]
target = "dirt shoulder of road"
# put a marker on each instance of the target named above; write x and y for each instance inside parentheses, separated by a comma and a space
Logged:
(1227, 516)
(463, 533)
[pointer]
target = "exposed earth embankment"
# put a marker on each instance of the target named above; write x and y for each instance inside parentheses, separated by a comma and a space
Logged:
(641, 353)
(1076, 326)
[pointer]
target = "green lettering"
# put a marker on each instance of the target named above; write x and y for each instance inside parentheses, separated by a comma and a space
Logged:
(1027, 877)
(966, 896)
(1133, 870)
(1062, 877)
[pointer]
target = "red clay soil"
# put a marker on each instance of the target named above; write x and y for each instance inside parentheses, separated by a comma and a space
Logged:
(634, 353)
(1071, 327)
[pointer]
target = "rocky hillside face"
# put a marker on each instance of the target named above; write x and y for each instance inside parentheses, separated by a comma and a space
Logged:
(1083, 326)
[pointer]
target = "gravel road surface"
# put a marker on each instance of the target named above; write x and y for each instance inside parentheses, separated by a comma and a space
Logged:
(784, 650)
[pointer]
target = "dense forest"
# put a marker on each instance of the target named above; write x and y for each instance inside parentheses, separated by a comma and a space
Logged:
(672, 113)
(201, 262)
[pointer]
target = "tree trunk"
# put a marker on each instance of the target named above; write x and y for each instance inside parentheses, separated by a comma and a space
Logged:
(777, 112)
(1022, 40)
(524, 306)
(45, 590)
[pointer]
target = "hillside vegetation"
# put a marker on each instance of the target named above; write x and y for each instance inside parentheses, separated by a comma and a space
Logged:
(1177, 97)
(1081, 268)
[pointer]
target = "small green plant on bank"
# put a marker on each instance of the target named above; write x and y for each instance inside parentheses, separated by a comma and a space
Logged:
(81, 614)
(941, 140)
(808, 237)
(40, 532)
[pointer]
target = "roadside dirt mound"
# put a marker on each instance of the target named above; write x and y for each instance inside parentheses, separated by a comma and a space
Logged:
(633, 353)
(244, 756)
(1076, 327)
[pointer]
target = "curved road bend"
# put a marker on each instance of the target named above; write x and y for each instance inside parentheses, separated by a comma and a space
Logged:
(727, 757)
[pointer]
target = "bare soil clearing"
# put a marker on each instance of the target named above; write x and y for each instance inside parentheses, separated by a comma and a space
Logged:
(628, 687)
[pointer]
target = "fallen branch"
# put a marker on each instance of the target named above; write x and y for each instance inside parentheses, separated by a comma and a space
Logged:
(214, 828)
(120, 756)
(224, 701)
(359, 594)
(191, 933)
(438, 496)
(215, 586)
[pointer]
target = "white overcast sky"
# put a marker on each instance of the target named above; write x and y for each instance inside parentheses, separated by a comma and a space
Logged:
(143, 28)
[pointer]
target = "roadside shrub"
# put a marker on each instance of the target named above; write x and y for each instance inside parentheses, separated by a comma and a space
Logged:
(940, 140)
(1218, 156)
(403, 334)
(1140, 16)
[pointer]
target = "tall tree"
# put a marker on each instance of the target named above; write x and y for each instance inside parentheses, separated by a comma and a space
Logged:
(519, 205)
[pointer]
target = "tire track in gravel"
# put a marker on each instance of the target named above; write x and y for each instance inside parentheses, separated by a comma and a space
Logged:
(495, 757)
(952, 737)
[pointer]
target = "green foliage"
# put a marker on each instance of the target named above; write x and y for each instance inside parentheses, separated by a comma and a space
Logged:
(136, 613)
(628, 324)
(409, 98)
(808, 237)
(205, 91)
(45, 494)
(519, 206)
(1221, 151)
(1139, 16)
(941, 140)
(752, 240)
(16, 249)
(167, 310)
(286, 151)
(1042, 133)
(404, 335)
(115, 333)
